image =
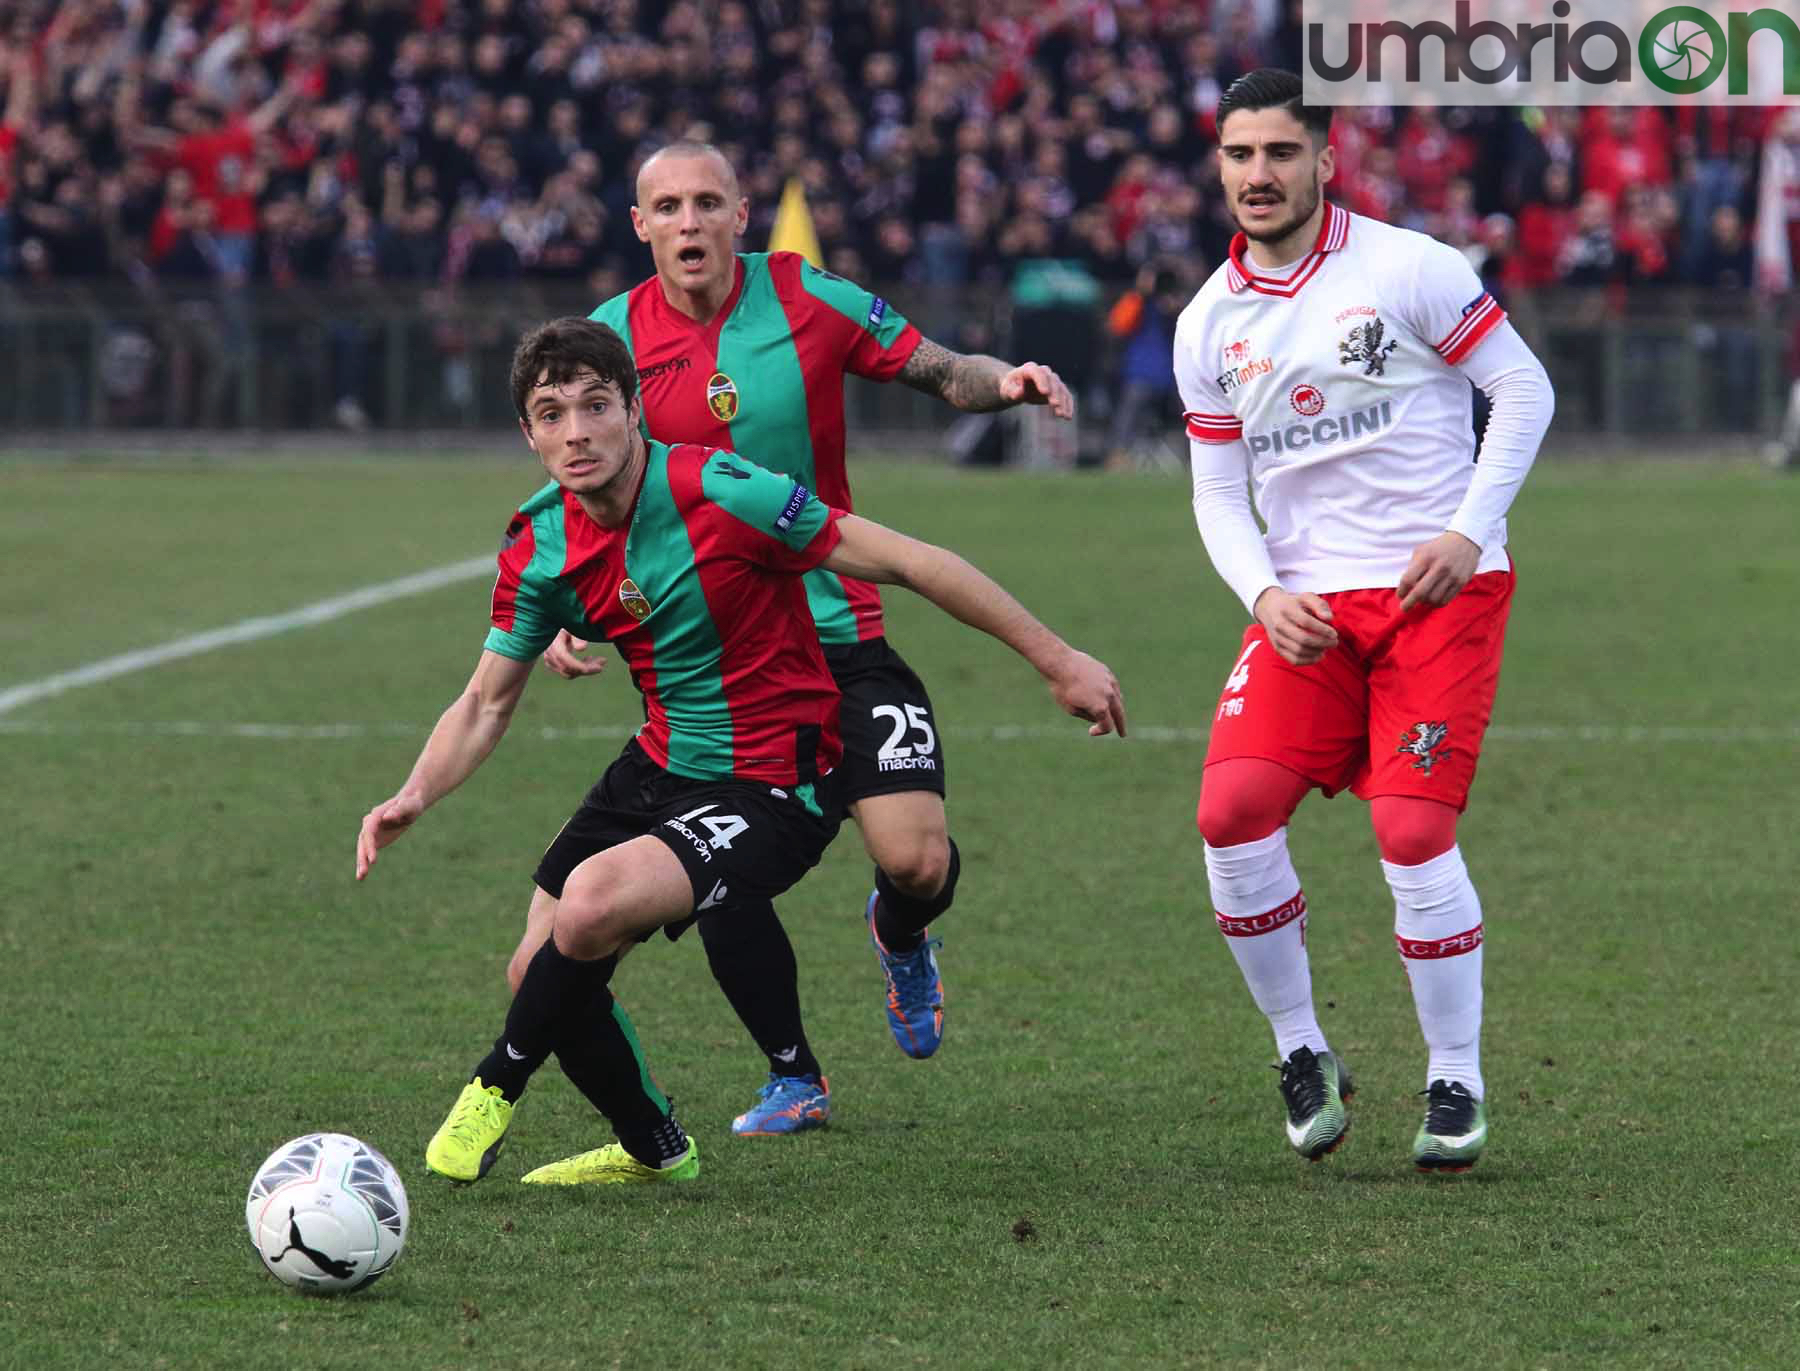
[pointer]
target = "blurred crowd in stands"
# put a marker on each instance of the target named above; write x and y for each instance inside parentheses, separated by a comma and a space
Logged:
(940, 142)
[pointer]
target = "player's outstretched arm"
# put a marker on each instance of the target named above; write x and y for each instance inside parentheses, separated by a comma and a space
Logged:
(1081, 685)
(978, 383)
(465, 734)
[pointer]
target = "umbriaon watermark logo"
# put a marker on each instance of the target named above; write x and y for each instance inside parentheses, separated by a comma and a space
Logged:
(1549, 52)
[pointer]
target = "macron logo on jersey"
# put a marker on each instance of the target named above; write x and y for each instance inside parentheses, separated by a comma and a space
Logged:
(796, 502)
(655, 369)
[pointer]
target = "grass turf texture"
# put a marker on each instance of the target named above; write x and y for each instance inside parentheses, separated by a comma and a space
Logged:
(1092, 1171)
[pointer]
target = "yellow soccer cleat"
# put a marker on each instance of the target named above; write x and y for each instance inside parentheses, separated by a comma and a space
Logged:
(613, 1165)
(465, 1146)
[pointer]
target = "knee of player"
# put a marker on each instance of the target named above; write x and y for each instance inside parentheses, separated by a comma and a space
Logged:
(1416, 833)
(590, 924)
(918, 868)
(1229, 819)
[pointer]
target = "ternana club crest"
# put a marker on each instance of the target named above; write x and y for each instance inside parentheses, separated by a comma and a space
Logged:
(722, 397)
(1424, 741)
(636, 603)
(1364, 344)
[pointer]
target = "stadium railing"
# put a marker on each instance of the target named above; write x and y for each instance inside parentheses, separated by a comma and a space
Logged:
(107, 355)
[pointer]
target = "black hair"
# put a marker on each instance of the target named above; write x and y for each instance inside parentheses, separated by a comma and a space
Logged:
(1273, 88)
(557, 351)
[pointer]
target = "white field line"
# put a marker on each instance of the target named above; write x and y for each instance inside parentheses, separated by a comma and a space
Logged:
(323, 611)
(1650, 735)
(245, 631)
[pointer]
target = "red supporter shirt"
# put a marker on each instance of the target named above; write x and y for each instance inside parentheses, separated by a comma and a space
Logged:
(220, 164)
(9, 140)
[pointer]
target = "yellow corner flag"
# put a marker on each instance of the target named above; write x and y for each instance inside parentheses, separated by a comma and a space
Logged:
(793, 231)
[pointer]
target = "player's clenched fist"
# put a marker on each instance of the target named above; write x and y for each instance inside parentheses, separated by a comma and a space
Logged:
(1299, 626)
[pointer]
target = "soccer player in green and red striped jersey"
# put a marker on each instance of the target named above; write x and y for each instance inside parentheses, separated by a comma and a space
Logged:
(765, 375)
(749, 351)
(727, 690)
(689, 559)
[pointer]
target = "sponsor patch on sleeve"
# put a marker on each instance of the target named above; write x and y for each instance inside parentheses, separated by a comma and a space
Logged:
(796, 502)
(877, 312)
(1474, 304)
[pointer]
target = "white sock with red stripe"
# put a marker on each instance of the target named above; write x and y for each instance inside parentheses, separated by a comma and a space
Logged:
(1437, 925)
(1260, 910)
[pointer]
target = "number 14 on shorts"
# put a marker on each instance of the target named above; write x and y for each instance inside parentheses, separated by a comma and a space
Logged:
(1232, 703)
(723, 827)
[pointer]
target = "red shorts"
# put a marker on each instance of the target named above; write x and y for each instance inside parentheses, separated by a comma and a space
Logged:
(1398, 707)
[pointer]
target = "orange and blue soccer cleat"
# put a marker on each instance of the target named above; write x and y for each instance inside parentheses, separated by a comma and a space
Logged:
(915, 991)
(787, 1104)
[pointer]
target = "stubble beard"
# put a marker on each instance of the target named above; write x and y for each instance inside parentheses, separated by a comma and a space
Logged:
(1304, 205)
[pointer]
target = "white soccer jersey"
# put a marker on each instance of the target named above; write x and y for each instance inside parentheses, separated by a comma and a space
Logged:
(1338, 377)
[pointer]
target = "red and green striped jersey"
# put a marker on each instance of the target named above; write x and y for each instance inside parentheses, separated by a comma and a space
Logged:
(765, 377)
(701, 593)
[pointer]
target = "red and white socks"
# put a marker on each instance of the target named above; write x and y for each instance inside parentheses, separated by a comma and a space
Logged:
(1262, 913)
(1437, 925)
(1260, 909)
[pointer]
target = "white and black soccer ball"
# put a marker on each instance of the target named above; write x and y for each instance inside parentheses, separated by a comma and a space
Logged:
(327, 1213)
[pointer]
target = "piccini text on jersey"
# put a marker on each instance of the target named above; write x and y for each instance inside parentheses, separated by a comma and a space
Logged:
(1323, 432)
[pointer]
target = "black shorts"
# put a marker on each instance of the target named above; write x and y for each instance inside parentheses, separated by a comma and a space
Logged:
(891, 740)
(737, 840)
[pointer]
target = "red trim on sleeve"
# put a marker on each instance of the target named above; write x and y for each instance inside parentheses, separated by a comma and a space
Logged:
(826, 539)
(1214, 428)
(884, 364)
(1484, 316)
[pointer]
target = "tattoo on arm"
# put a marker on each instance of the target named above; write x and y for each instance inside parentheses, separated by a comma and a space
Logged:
(968, 381)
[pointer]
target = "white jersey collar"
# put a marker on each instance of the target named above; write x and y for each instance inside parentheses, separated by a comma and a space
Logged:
(1334, 232)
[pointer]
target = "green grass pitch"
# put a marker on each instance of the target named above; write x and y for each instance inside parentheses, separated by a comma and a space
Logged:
(1092, 1171)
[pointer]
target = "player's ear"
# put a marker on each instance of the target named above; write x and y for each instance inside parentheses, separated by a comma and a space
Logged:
(530, 440)
(742, 220)
(1327, 163)
(637, 222)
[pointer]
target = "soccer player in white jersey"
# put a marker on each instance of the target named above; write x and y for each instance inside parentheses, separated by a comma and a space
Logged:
(1328, 360)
